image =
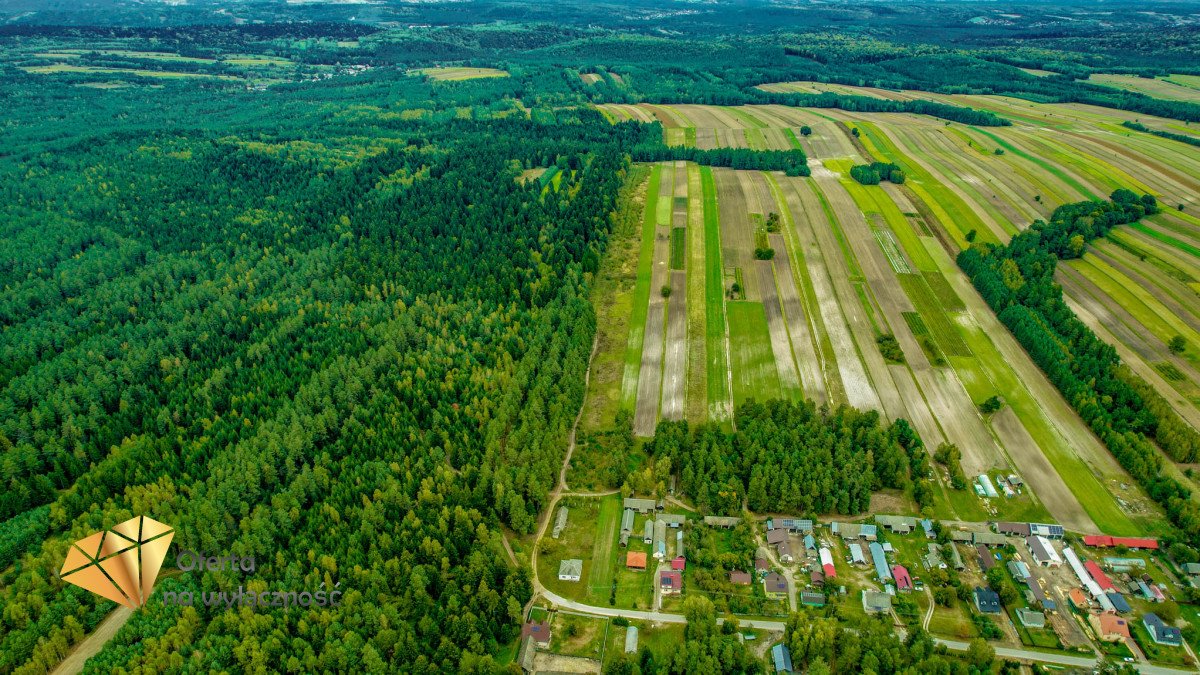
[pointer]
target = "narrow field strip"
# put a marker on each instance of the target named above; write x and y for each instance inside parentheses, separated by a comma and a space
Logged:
(696, 404)
(641, 295)
(720, 402)
(754, 373)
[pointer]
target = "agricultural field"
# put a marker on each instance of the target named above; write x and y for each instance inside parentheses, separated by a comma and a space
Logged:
(449, 74)
(1170, 87)
(853, 263)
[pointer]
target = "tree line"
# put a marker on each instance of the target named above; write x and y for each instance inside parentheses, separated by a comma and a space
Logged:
(1017, 281)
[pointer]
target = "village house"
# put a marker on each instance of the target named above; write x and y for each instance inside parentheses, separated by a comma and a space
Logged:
(570, 570)
(539, 631)
(1109, 627)
(775, 586)
(876, 602)
(1160, 632)
(640, 505)
(987, 601)
(1030, 618)
(636, 560)
(670, 583)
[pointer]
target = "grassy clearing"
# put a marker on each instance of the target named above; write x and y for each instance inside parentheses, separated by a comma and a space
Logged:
(717, 361)
(606, 544)
(458, 74)
(641, 295)
(578, 635)
(754, 373)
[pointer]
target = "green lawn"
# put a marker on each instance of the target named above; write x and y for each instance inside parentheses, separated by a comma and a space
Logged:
(605, 546)
(641, 295)
(754, 372)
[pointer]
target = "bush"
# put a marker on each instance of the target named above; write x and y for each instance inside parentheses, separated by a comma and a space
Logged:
(991, 405)
(764, 253)
(666, 291)
(890, 348)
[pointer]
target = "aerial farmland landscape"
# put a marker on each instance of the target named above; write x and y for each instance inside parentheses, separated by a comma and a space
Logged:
(635, 337)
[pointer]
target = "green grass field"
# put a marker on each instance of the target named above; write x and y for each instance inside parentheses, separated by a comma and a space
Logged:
(605, 547)
(1167, 239)
(717, 370)
(943, 328)
(641, 295)
(754, 372)
(678, 247)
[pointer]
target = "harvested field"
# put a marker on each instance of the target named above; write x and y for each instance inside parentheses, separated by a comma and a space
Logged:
(589, 78)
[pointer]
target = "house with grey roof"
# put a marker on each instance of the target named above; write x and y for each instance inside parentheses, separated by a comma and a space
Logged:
(1030, 618)
(648, 537)
(1160, 632)
(897, 524)
(570, 570)
(876, 602)
(882, 571)
(640, 505)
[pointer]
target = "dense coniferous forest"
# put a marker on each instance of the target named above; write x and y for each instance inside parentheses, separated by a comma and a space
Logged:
(788, 458)
(352, 356)
(1017, 281)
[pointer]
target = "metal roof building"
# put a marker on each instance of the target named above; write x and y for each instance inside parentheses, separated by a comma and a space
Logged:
(640, 505)
(782, 658)
(882, 571)
(631, 639)
(560, 522)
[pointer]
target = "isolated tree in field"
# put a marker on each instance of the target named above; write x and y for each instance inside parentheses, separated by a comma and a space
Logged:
(666, 291)
(806, 130)
(991, 405)
(772, 222)
(764, 253)
(1177, 345)
(854, 132)
(971, 236)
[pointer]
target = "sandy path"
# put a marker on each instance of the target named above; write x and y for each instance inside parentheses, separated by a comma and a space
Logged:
(93, 643)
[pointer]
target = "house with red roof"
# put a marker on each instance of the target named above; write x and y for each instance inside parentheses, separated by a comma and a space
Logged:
(678, 564)
(902, 577)
(670, 583)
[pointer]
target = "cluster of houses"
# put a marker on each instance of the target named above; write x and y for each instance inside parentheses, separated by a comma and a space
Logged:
(655, 533)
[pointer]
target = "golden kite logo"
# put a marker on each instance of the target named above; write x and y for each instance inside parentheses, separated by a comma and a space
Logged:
(120, 564)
